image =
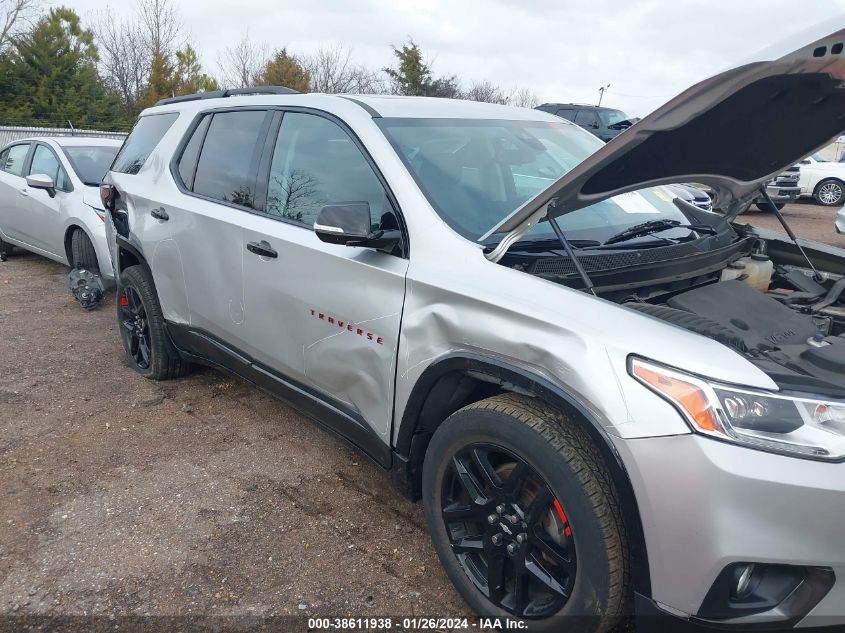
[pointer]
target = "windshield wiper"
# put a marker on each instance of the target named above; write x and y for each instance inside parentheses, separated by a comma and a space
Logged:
(549, 241)
(543, 243)
(655, 226)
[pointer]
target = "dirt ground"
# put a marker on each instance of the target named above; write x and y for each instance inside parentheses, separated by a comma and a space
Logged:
(119, 496)
(127, 497)
(807, 219)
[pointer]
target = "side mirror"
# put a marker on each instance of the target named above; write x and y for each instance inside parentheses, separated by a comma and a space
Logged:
(349, 224)
(343, 223)
(42, 181)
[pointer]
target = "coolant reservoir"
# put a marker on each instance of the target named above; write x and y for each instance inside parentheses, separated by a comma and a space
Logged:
(760, 270)
(734, 270)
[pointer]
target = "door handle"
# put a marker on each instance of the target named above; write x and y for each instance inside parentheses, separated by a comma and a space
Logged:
(24, 193)
(261, 248)
(160, 214)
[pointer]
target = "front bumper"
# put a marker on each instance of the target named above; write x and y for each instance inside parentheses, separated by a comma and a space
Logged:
(840, 221)
(783, 193)
(706, 504)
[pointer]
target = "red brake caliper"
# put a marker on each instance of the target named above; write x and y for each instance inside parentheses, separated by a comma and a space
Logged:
(559, 508)
(124, 302)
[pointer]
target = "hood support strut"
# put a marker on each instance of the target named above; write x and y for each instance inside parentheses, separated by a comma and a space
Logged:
(789, 232)
(588, 283)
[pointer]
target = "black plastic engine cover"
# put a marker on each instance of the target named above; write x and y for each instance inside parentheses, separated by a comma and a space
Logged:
(760, 321)
(785, 344)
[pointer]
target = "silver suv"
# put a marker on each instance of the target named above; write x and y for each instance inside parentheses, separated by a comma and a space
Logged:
(608, 400)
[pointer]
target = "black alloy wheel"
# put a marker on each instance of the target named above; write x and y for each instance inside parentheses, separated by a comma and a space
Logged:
(509, 533)
(135, 328)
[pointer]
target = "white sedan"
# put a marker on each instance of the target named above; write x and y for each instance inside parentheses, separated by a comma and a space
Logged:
(824, 180)
(50, 200)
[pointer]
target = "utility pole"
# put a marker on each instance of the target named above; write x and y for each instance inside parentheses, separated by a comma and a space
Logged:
(601, 92)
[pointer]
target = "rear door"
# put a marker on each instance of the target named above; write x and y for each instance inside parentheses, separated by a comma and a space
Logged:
(588, 120)
(201, 261)
(13, 190)
(566, 113)
(40, 215)
(326, 316)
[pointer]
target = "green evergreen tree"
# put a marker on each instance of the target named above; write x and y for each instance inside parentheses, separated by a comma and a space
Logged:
(412, 76)
(188, 75)
(285, 70)
(49, 76)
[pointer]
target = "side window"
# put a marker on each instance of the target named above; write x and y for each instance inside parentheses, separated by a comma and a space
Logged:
(228, 163)
(44, 161)
(316, 163)
(587, 118)
(146, 134)
(191, 153)
(565, 113)
(5, 155)
(15, 160)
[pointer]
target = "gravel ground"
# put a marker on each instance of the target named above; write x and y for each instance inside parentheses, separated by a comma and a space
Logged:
(807, 219)
(119, 496)
(199, 496)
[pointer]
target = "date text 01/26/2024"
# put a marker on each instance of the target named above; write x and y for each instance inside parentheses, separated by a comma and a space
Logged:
(414, 624)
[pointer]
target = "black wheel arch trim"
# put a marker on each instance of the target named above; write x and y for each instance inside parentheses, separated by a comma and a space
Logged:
(414, 434)
(125, 245)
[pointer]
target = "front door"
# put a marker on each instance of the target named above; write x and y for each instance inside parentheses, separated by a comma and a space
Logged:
(41, 218)
(13, 190)
(326, 316)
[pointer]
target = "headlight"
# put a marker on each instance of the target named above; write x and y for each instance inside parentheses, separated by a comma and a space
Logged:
(799, 426)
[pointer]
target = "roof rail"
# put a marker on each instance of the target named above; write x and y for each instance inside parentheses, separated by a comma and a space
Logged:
(230, 92)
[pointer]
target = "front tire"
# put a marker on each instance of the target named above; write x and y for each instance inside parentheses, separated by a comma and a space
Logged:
(142, 328)
(5, 250)
(767, 208)
(82, 252)
(524, 516)
(830, 192)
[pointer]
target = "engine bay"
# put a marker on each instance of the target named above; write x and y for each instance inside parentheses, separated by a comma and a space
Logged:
(753, 293)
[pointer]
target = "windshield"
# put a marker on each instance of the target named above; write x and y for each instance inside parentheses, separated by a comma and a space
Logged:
(820, 159)
(91, 163)
(611, 117)
(476, 172)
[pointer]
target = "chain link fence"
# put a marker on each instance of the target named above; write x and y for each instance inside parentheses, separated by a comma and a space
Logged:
(10, 133)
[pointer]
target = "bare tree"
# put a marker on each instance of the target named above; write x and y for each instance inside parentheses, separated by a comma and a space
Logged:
(332, 71)
(523, 98)
(242, 64)
(292, 195)
(128, 49)
(486, 92)
(162, 27)
(124, 58)
(13, 15)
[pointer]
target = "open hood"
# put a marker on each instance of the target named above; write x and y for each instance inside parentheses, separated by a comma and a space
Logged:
(732, 132)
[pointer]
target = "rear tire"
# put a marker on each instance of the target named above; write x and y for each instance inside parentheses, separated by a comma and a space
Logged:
(588, 557)
(830, 192)
(142, 328)
(82, 252)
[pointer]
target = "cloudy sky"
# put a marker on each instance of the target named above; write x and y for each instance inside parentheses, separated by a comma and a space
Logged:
(563, 50)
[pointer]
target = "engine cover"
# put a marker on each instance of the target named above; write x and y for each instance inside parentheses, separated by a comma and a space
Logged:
(784, 343)
(760, 321)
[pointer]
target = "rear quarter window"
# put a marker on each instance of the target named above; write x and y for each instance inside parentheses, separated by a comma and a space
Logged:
(146, 134)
